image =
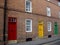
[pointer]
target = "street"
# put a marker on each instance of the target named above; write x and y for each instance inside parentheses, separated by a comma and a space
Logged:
(44, 41)
(57, 42)
(52, 43)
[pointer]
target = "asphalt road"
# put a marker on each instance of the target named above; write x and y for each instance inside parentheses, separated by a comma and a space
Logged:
(47, 41)
(52, 43)
(57, 43)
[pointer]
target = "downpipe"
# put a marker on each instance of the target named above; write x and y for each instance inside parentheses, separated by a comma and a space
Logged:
(4, 28)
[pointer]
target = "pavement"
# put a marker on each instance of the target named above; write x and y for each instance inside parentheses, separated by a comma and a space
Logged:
(42, 41)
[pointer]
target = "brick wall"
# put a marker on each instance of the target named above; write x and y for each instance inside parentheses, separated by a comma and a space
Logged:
(17, 9)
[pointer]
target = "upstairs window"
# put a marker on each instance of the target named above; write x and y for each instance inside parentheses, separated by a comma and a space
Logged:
(28, 6)
(48, 11)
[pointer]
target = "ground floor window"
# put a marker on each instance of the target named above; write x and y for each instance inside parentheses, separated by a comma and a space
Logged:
(49, 26)
(28, 25)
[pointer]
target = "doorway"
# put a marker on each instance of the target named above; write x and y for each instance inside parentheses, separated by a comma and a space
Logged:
(55, 28)
(12, 29)
(40, 29)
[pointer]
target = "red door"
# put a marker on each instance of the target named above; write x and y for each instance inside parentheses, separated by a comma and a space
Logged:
(12, 28)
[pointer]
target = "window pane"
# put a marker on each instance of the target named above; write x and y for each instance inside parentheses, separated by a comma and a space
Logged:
(48, 11)
(28, 25)
(28, 5)
(49, 26)
(28, 22)
(28, 28)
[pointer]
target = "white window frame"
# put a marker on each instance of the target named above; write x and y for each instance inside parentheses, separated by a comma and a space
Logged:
(49, 27)
(48, 11)
(29, 10)
(28, 25)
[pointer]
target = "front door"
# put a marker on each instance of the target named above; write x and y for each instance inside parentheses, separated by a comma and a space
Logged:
(12, 28)
(55, 28)
(40, 29)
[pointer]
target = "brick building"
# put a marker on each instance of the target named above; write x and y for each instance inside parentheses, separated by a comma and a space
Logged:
(30, 19)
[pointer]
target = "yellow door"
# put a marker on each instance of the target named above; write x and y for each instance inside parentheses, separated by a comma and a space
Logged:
(40, 29)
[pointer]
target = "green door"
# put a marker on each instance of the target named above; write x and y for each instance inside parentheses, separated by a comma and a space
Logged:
(55, 28)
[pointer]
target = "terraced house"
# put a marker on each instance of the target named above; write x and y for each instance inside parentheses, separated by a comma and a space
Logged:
(26, 20)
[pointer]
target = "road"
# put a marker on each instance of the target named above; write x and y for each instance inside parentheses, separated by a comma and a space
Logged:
(46, 41)
(57, 42)
(52, 43)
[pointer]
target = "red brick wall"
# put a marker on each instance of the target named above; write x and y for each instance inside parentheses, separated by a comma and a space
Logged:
(35, 18)
(1, 3)
(19, 5)
(38, 8)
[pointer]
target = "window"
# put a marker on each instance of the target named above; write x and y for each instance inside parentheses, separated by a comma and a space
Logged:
(49, 26)
(28, 6)
(48, 0)
(12, 19)
(59, 15)
(58, 3)
(48, 11)
(28, 24)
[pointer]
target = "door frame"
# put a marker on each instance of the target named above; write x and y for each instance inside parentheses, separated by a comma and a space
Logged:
(13, 41)
(40, 32)
(55, 28)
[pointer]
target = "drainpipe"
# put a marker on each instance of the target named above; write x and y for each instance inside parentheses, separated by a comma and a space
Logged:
(4, 28)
